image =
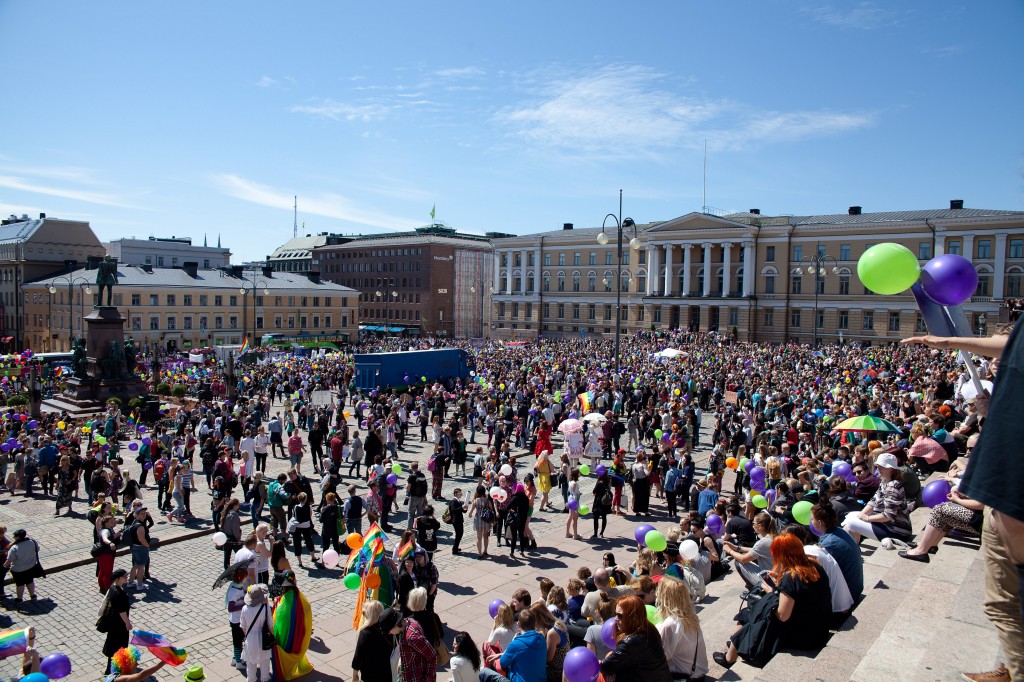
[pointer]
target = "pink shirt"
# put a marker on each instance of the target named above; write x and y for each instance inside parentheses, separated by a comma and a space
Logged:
(295, 445)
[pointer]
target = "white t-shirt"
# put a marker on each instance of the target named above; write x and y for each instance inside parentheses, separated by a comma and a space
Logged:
(682, 647)
(842, 600)
(501, 636)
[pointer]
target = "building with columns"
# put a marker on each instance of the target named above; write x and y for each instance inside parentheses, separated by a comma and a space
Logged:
(756, 274)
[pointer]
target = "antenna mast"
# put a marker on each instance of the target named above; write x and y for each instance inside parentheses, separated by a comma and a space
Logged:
(295, 219)
(704, 201)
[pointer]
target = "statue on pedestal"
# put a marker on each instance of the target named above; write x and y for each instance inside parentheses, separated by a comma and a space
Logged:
(113, 364)
(129, 355)
(106, 278)
(79, 362)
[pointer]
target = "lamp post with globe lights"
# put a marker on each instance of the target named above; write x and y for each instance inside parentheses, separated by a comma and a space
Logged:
(247, 286)
(83, 283)
(634, 244)
(816, 266)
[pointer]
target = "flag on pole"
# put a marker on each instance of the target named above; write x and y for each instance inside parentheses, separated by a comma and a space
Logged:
(584, 402)
(432, 209)
(13, 642)
(245, 346)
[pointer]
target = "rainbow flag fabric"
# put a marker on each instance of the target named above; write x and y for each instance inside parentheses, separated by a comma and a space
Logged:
(169, 655)
(293, 625)
(584, 402)
(13, 642)
(147, 639)
(245, 346)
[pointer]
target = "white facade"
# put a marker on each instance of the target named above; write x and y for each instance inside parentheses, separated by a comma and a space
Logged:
(167, 253)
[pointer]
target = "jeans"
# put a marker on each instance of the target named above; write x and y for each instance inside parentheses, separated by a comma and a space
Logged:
(416, 507)
(179, 509)
(488, 675)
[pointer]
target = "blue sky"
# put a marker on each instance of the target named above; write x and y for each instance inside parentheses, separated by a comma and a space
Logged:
(193, 118)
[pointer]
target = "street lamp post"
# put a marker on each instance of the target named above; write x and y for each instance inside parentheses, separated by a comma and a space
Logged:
(71, 282)
(472, 290)
(634, 244)
(251, 285)
(386, 295)
(816, 266)
(982, 325)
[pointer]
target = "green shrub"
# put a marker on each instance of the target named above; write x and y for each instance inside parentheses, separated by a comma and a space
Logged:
(136, 403)
(17, 399)
(115, 400)
(163, 388)
(179, 391)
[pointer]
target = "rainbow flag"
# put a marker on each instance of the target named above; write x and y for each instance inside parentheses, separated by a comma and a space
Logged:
(245, 346)
(169, 655)
(148, 639)
(405, 550)
(13, 642)
(584, 402)
(293, 624)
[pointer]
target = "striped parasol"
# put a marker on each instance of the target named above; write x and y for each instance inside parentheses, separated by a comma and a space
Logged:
(866, 423)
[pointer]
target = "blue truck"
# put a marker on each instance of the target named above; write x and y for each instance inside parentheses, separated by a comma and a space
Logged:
(409, 367)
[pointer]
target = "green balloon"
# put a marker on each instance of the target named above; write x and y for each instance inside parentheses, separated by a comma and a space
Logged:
(743, 463)
(802, 512)
(759, 501)
(352, 581)
(652, 614)
(888, 268)
(396, 469)
(655, 541)
(583, 510)
(658, 433)
(585, 469)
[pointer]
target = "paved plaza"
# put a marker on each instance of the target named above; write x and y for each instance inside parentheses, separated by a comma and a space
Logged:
(921, 605)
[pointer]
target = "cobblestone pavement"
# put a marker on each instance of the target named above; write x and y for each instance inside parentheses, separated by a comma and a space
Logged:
(181, 605)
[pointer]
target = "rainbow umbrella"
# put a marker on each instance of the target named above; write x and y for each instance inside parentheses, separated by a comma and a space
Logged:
(866, 423)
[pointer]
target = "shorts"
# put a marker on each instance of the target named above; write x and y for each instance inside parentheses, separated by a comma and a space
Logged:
(295, 458)
(275, 437)
(140, 555)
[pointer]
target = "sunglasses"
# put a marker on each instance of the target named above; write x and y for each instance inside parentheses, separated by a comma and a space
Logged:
(620, 614)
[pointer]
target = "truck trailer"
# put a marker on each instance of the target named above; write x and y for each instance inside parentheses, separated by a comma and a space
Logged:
(405, 368)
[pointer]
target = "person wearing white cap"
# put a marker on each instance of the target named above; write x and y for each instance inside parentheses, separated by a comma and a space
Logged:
(887, 514)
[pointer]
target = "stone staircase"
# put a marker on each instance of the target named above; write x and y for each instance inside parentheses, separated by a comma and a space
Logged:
(917, 622)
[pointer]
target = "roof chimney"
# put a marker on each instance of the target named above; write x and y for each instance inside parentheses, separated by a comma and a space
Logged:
(191, 268)
(314, 277)
(755, 211)
(566, 226)
(854, 210)
(42, 216)
(956, 204)
(148, 267)
(268, 272)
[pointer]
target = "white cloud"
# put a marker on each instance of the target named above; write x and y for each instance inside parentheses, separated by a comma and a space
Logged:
(865, 15)
(629, 110)
(461, 72)
(329, 205)
(343, 111)
(23, 185)
(266, 82)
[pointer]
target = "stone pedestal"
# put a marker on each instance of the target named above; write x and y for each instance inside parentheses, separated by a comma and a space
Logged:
(108, 370)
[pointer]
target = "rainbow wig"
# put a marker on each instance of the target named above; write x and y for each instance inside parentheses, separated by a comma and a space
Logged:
(125, 661)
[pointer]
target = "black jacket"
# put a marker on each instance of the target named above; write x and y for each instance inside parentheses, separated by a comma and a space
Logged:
(372, 657)
(638, 657)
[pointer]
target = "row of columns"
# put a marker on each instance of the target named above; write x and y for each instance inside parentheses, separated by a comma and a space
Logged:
(524, 259)
(654, 252)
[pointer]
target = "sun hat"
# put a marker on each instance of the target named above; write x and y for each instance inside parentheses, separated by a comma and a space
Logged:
(195, 674)
(887, 460)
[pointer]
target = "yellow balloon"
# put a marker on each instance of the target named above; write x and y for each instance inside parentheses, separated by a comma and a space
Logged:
(61, 425)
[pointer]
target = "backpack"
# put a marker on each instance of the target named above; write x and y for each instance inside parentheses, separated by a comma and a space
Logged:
(419, 485)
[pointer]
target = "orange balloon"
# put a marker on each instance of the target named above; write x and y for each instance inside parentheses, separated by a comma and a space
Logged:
(732, 463)
(354, 541)
(373, 581)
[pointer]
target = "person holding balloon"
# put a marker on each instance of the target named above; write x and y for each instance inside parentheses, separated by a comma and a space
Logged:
(957, 512)
(638, 654)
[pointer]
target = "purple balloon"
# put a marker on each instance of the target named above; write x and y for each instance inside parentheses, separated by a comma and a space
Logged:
(573, 505)
(147, 465)
(5, 447)
(55, 666)
(133, 446)
(13, 442)
(841, 469)
(147, 440)
(581, 665)
(851, 479)
(392, 479)
(641, 531)
(949, 279)
(493, 607)
(608, 633)
(32, 425)
(749, 466)
(714, 523)
(141, 429)
(601, 470)
(757, 484)
(935, 493)
(757, 474)
(814, 529)
(770, 495)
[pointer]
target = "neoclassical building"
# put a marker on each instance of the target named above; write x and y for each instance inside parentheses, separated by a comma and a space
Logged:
(769, 278)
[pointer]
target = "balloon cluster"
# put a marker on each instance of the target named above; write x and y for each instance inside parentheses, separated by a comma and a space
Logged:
(890, 268)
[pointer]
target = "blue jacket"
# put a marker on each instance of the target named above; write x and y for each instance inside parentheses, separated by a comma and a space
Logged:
(525, 659)
(844, 550)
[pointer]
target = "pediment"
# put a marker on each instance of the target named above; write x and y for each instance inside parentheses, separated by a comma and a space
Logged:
(698, 222)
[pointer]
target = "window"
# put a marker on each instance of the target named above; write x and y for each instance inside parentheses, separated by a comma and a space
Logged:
(504, 260)
(576, 311)
(233, 321)
(984, 248)
(640, 313)
(186, 299)
(844, 252)
(844, 285)
(819, 283)
(160, 261)
(154, 299)
(136, 299)
(607, 312)
(149, 260)
(592, 312)
(769, 317)
(576, 258)
(642, 259)
(203, 299)
(576, 281)
(608, 258)
(797, 285)
(218, 301)
(591, 282)
(218, 322)
(547, 259)
(769, 254)
(794, 318)
(203, 323)
(1016, 248)
(172, 322)
(625, 282)
(518, 260)
(561, 311)
(529, 258)
(734, 317)
(843, 319)
(984, 284)
(547, 310)
(172, 299)
(625, 257)
(894, 321)
(137, 324)
(919, 325)
(869, 320)
(291, 301)
(1013, 284)
(657, 314)
(529, 311)
(769, 284)
(798, 252)
(515, 311)
(154, 322)
(233, 301)
(186, 322)
(641, 283)
(547, 283)
(625, 313)
(924, 251)
(821, 251)
(206, 264)
(561, 259)
(953, 248)
(561, 282)
(259, 301)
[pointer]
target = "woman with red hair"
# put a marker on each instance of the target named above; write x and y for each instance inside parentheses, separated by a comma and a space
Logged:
(638, 654)
(804, 608)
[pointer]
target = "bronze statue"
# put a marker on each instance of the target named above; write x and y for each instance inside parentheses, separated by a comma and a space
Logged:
(116, 360)
(129, 355)
(79, 362)
(106, 278)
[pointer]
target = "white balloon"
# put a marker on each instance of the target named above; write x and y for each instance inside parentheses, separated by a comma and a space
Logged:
(219, 539)
(689, 550)
(495, 492)
(502, 495)
(330, 558)
(506, 470)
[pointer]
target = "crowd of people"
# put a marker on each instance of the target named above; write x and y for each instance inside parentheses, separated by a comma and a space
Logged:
(538, 428)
